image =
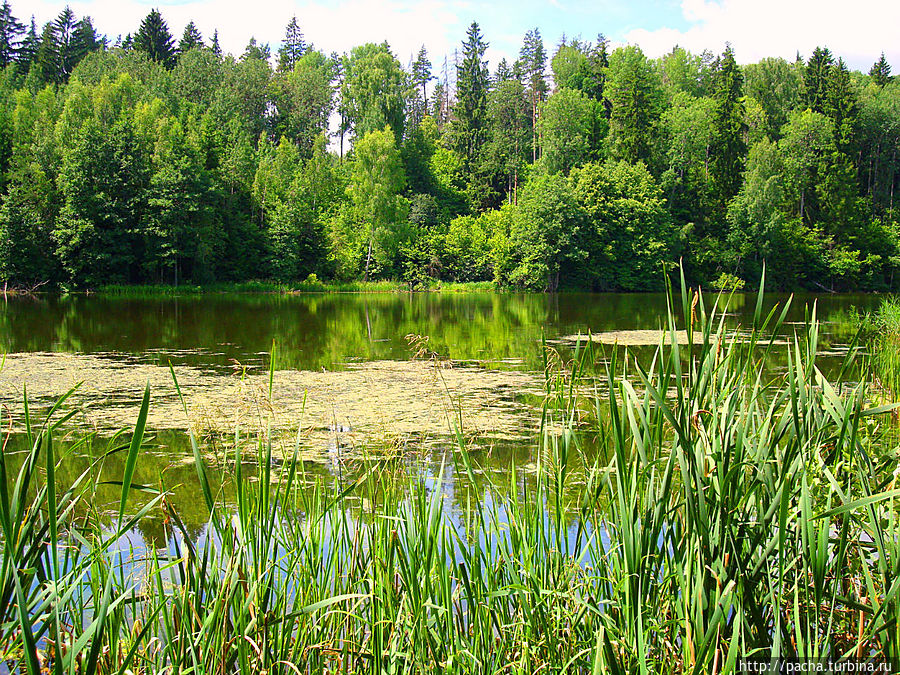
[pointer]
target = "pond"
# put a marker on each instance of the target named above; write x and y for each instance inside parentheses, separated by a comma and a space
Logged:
(354, 376)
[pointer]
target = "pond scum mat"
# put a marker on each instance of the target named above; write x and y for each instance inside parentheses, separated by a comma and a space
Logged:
(366, 404)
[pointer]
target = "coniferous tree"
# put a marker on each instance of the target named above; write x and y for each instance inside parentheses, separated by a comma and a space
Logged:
(881, 71)
(729, 148)
(841, 106)
(293, 47)
(254, 50)
(47, 60)
(84, 41)
(533, 64)
(154, 39)
(27, 51)
(815, 79)
(190, 39)
(472, 80)
(11, 31)
(421, 73)
(216, 49)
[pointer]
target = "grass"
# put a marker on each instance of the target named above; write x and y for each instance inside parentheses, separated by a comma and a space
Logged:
(311, 285)
(886, 348)
(729, 513)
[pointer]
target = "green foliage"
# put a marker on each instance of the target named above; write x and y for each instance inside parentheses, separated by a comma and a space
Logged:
(373, 90)
(126, 164)
(547, 234)
(635, 95)
(154, 39)
(572, 128)
(630, 231)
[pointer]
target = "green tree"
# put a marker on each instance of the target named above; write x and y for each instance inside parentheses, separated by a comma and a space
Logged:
(533, 66)
(376, 182)
(11, 32)
(421, 73)
(28, 48)
(190, 39)
(571, 128)
(154, 39)
(630, 230)
(881, 71)
(26, 220)
(510, 133)
(635, 95)
(469, 132)
(728, 147)
(547, 234)
(778, 87)
(304, 100)
(815, 79)
(293, 47)
(103, 181)
(373, 90)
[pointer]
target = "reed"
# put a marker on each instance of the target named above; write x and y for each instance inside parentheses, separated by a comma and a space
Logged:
(729, 512)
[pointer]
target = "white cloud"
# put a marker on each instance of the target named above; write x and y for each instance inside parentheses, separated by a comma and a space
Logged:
(857, 31)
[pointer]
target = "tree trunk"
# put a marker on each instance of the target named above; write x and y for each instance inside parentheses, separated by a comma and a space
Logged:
(369, 254)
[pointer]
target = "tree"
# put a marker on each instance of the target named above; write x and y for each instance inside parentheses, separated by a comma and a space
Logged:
(472, 82)
(47, 60)
(533, 66)
(292, 48)
(372, 94)
(778, 87)
(27, 51)
(510, 133)
(728, 147)
(815, 79)
(881, 71)
(376, 181)
(571, 127)
(214, 46)
(103, 181)
(421, 73)
(11, 31)
(154, 39)
(190, 39)
(85, 40)
(635, 96)
(629, 231)
(547, 234)
(304, 100)
(256, 52)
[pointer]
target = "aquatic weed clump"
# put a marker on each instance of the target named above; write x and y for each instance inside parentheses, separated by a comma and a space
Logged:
(729, 511)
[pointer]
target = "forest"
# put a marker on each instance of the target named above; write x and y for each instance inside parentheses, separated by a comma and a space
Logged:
(154, 159)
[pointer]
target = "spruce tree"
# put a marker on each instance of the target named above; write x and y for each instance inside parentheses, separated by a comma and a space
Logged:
(154, 39)
(728, 148)
(881, 71)
(47, 58)
(27, 51)
(190, 39)
(533, 64)
(841, 106)
(472, 80)
(84, 41)
(421, 72)
(216, 49)
(815, 79)
(11, 31)
(293, 47)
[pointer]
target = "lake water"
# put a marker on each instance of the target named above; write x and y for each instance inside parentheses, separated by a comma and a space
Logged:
(392, 374)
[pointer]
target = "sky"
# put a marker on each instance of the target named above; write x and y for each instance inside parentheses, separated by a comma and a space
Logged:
(857, 31)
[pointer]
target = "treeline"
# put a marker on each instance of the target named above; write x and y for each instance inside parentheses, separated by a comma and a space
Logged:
(151, 160)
